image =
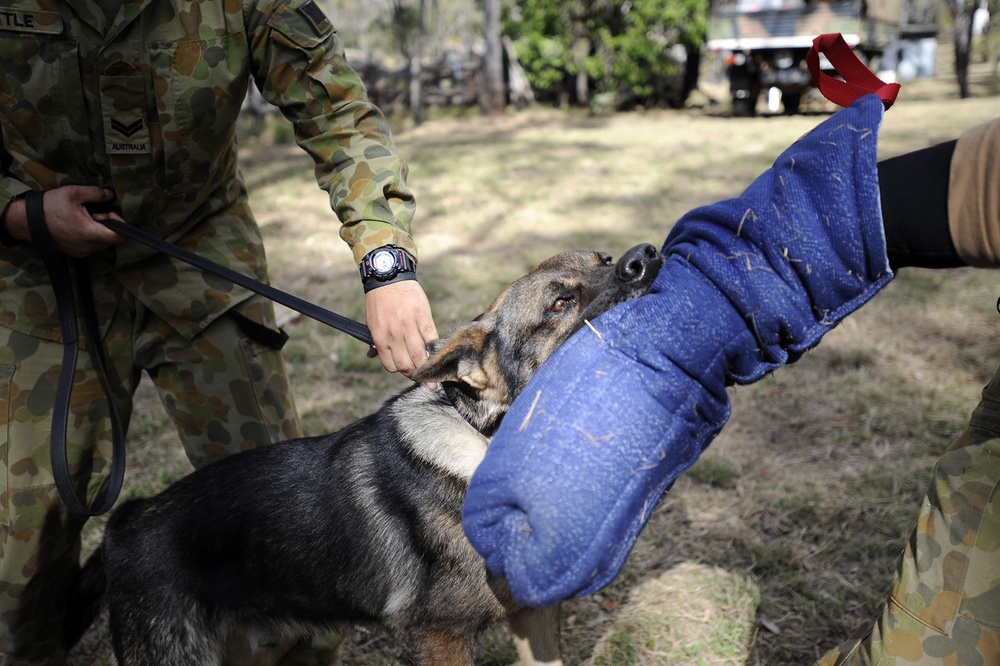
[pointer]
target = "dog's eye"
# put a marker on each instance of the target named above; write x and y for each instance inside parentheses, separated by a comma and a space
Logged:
(560, 304)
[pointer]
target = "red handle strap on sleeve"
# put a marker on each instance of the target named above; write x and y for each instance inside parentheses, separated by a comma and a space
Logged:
(857, 81)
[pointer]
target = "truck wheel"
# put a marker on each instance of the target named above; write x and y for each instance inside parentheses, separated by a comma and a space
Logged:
(744, 107)
(790, 103)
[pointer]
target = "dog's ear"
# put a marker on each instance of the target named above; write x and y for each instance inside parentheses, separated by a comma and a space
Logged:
(458, 358)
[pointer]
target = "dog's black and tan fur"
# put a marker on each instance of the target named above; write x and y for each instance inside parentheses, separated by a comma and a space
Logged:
(363, 525)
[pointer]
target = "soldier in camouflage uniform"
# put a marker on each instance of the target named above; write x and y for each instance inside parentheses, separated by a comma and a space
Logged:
(135, 102)
(944, 606)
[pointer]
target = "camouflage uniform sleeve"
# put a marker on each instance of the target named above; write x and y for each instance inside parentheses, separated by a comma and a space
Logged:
(10, 187)
(299, 65)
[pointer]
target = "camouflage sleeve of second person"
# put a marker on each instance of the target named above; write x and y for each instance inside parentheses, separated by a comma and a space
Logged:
(299, 65)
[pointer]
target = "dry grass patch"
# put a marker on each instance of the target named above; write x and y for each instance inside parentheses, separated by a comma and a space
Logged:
(692, 614)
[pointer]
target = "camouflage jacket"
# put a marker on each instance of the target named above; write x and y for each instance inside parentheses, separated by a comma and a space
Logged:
(148, 104)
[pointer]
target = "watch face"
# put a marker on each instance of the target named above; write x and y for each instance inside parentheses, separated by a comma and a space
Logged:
(383, 262)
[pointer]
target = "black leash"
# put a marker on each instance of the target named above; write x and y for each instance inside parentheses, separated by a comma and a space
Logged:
(64, 273)
(355, 329)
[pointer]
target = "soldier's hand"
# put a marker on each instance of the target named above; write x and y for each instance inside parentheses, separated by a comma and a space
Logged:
(399, 318)
(71, 215)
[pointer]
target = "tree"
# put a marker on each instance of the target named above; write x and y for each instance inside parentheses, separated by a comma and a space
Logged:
(416, 64)
(402, 40)
(631, 52)
(408, 28)
(543, 46)
(651, 47)
(961, 14)
(494, 98)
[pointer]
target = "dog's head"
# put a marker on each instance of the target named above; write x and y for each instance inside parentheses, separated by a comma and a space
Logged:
(485, 363)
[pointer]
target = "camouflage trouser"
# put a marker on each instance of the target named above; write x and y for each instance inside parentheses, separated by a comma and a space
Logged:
(224, 392)
(944, 607)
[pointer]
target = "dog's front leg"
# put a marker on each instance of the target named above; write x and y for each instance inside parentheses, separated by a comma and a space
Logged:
(536, 635)
(252, 649)
(441, 648)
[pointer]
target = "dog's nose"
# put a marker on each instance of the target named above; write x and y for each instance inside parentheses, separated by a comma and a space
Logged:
(639, 264)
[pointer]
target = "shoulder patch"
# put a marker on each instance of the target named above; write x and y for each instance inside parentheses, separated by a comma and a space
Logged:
(311, 11)
(303, 22)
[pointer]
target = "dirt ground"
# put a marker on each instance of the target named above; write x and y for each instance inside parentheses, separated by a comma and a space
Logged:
(781, 542)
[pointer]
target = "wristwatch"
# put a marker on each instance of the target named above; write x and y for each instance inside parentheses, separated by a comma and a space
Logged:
(385, 264)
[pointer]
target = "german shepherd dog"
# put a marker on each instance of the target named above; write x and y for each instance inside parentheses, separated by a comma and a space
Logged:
(360, 526)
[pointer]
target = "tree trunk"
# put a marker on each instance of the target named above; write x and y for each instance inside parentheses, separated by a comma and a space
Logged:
(580, 51)
(961, 14)
(416, 88)
(416, 65)
(521, 94)
(494, 98)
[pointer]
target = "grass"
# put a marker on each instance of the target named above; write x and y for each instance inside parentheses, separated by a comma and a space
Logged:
(781, 541)
(715, 471)
(659, 625)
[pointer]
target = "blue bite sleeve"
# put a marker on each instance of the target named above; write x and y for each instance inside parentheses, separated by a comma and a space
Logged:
(625, 406)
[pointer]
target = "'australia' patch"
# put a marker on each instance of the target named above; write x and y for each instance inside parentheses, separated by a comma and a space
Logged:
(126, 129)
(126, 136)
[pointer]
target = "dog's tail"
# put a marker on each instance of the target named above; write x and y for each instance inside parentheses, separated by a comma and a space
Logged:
(85, 600)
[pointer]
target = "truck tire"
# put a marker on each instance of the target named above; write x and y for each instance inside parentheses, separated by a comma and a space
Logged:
(744, 107)
(790, 103)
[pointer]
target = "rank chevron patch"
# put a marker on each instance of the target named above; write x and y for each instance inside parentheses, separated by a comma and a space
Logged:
(126, 130)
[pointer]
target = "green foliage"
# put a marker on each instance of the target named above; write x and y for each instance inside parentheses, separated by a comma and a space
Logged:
(716, 472)
(543, 44)
(634, 51)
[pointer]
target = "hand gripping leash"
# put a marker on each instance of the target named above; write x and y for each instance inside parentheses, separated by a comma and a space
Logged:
(64, 275)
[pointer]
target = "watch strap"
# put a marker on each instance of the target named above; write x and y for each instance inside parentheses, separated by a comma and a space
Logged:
(371, 284)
